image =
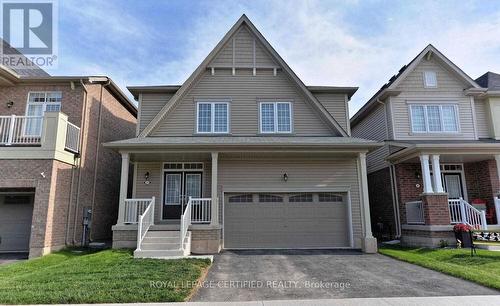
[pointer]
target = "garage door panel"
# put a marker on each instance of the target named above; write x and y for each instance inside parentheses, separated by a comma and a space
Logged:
(15, 224)
(286, 224)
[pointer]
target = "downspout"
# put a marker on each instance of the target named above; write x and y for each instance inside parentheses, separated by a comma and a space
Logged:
(97, 149)
(83, 127)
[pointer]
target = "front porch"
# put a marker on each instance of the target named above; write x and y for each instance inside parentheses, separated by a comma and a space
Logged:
(169, 195)
(243, 193)
(439, 188)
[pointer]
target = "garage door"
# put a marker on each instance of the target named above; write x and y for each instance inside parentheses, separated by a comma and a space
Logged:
(16, 211)
(278, 220)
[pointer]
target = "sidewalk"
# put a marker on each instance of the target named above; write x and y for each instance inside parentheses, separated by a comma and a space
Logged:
(483, 300)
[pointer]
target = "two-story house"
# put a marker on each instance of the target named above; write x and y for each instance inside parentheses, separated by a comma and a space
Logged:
(440, 162)
(243, 155)
(54, 173)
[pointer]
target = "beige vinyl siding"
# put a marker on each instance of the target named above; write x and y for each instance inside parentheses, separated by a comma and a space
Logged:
(482, 119)
(243, 90)
(243, 52)
(374, 126)
(375, 160)
(243, 42)
(388, 117)
(155, 188)
(266, 174)
(449, 89)
(335, 104)
(150, 105)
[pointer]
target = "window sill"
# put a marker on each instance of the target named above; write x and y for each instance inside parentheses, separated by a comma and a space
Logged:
(212, 134)
(276, 134)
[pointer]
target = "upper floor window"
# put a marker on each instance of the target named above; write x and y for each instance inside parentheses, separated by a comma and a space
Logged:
(40, 102)
(275, 117)
(212, 117)
(434, 118)
(430, 79)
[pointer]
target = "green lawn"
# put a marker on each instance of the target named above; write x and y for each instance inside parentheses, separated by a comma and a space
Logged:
(98, 277)
(484, 268)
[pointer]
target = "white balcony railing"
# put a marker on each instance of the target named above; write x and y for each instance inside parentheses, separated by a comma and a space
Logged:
(463, 212)
(72, 138)
(134, 208)
(146, 219)
(20, 130)
(415, 213)
(201, 210)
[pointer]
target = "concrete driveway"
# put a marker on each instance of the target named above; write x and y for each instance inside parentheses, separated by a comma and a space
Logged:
(6, 258)
(317, 274)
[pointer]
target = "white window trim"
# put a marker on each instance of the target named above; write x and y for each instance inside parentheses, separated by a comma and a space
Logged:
(275, 110)
(425, 79)
(212, 117)
(44, 104)
(427, 131)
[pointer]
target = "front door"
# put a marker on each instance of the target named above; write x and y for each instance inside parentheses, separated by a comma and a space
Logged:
(453, 185)
(179, 186)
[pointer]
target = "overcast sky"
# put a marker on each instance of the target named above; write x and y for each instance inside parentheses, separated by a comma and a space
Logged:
(338, 43)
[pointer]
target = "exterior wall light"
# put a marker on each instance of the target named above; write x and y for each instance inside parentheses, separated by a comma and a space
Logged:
(10, 104)
(146, 178)
(285, 177)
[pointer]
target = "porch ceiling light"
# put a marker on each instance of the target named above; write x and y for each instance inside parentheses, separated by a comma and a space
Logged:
(285, 177)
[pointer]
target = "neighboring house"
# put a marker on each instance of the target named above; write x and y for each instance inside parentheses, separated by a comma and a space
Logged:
(53, 168)
(441, 152)
(267, 161)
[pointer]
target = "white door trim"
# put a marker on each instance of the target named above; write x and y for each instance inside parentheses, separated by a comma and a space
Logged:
(162, 178)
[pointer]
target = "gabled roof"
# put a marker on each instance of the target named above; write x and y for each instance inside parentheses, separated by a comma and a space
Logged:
(391, 86)
(203, 66)
(489, 80)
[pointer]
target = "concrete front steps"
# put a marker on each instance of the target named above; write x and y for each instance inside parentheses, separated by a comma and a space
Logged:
(163, 244)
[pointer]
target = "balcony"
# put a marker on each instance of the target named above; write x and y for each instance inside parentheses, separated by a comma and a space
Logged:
(37, 137)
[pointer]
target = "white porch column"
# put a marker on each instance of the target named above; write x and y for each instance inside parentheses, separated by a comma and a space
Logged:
(369, 242)
(438, 184)
(123, 188)
(215, 201)
(426, 173)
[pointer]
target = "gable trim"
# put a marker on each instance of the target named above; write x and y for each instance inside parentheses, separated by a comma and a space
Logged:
(390, 88)
(430, 49)
(326, 116)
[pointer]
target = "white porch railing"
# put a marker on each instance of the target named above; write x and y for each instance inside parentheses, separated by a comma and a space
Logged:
(72, 138)
(134, 208)
(146, 219)
(415, 213)
(463, 212)
(20, 130)
(185, 222)
(201, 210)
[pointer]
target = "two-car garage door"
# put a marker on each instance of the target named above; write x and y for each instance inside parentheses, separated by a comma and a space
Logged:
(286, 220)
